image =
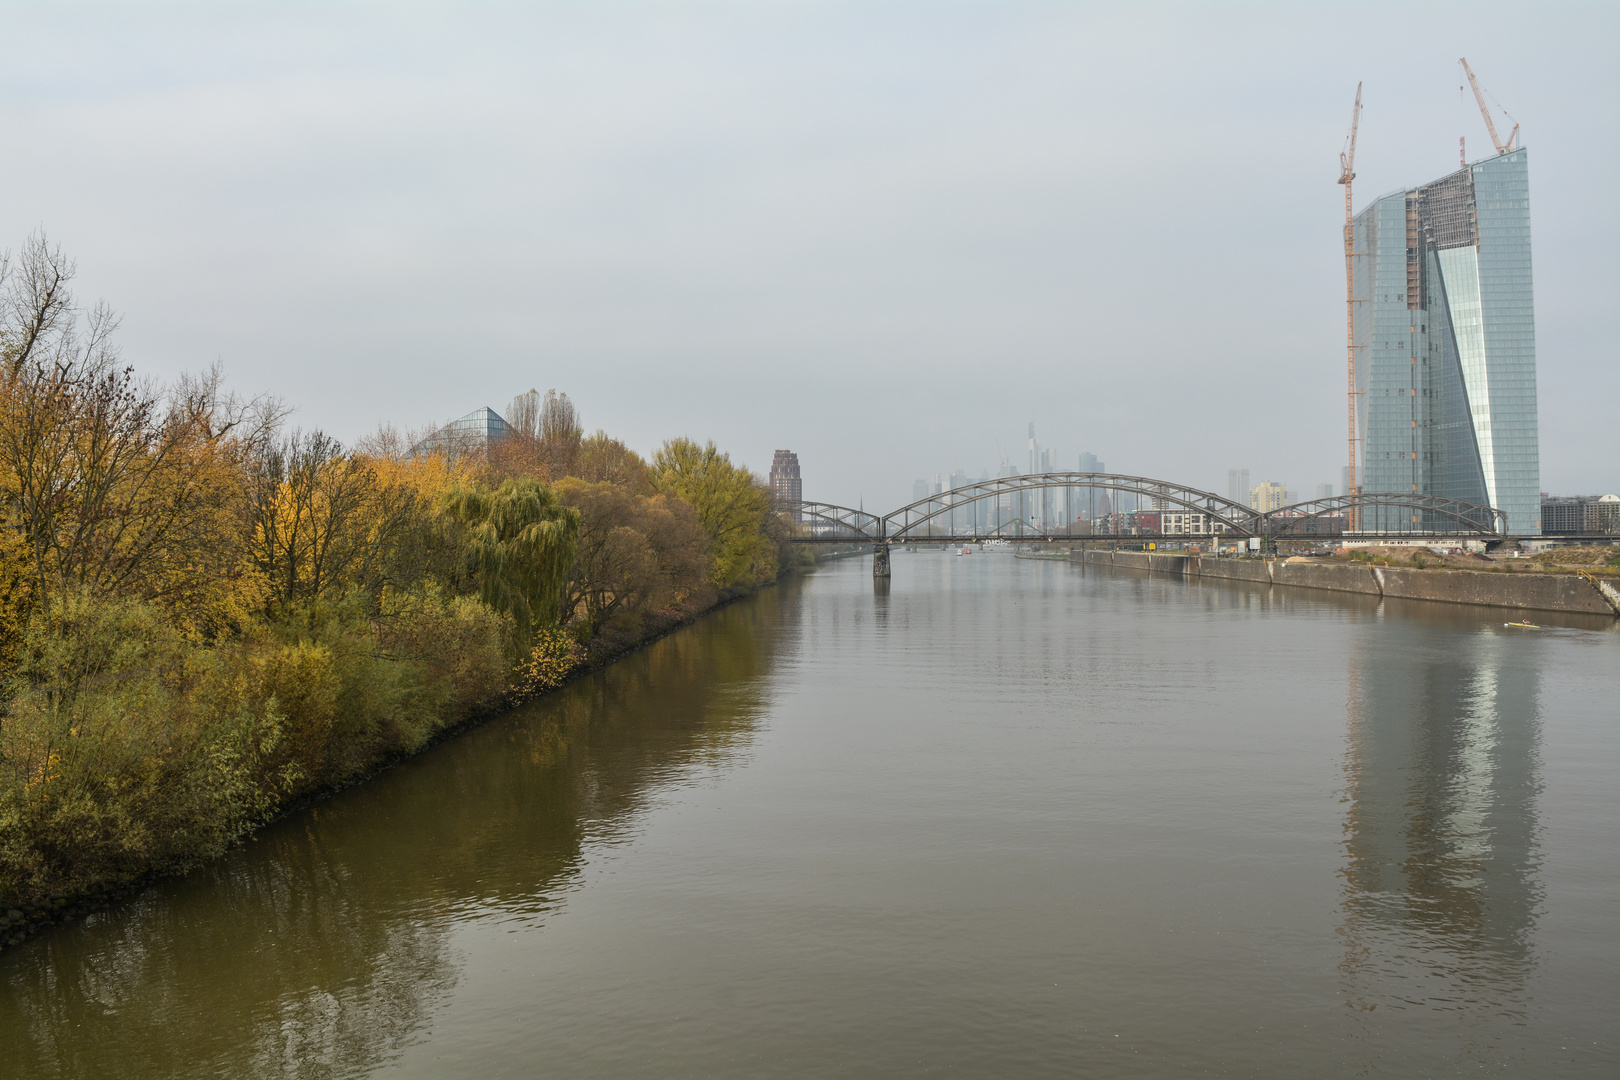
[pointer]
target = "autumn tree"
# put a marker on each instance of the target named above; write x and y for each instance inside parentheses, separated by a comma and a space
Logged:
(542, 439)
(517, 453)
(308, 512)
(636, 553)
(521, 542)
(604, 459)
(16, 592)
(113, 485)
(560, 434)
(523, 416)
(324, 523)
(732, 506)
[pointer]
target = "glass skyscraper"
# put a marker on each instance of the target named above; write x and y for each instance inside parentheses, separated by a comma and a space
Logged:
(1446, 366)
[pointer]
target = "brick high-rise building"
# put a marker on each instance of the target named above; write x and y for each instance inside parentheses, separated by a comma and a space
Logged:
(786, 486)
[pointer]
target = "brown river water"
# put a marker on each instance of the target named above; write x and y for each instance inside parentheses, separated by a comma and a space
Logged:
(1011, 818)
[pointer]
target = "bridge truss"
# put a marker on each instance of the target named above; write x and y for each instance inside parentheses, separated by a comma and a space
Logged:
(936, 519)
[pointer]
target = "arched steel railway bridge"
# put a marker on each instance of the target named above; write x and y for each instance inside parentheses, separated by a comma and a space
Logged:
(1381, 516)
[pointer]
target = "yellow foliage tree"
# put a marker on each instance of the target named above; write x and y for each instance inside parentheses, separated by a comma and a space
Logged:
(635, 553)
(732, 505)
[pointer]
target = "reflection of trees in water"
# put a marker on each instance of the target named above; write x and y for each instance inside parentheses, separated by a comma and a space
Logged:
(1440, 886)
(273, 964)
(324, 948)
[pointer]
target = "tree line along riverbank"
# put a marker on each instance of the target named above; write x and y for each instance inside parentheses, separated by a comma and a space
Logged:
(207, 615)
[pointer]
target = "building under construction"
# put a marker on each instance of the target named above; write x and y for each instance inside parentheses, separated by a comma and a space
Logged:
(1445, 342)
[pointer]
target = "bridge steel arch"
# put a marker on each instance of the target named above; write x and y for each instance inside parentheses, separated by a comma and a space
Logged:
(829, 521)
(902, 523)
(1419, 515)
(1423, 515)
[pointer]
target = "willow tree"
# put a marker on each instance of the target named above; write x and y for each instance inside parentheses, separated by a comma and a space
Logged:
(521, 542)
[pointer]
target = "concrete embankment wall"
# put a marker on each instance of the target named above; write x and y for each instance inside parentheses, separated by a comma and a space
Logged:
(1523, 591)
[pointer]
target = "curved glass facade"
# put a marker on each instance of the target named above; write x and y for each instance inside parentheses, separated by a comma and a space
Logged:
(475, 431)
(1447, 359)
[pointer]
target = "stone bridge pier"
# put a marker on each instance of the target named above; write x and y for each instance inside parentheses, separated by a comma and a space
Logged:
(880, 560)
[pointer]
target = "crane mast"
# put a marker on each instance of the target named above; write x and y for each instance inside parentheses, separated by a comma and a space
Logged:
(1490, 125)
(1347, 173)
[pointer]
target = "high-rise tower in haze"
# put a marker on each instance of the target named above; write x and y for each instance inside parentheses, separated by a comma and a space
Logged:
(786, 486)
(1446, 364)
(1237, 485)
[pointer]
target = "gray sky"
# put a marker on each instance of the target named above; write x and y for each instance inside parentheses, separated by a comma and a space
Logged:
(884, 235)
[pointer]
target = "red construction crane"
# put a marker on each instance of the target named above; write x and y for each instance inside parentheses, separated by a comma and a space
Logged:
(1490, 125)
(1347, 173)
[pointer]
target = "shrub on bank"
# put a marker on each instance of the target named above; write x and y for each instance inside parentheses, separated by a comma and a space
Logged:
(354, 690)
(126, 747)
(123, 748)
(555, 655)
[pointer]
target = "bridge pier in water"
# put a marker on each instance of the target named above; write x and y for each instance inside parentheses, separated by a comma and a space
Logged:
(880, 561)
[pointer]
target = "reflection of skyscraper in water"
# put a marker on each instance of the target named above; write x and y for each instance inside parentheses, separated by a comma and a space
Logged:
(1440, 885)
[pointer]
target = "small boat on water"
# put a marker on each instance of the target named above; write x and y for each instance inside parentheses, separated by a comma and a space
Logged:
(965, 551)
(1522, 625)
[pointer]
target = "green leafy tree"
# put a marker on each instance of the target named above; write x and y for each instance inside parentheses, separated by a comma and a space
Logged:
(603, 458)
(521, 542)
(732, 505)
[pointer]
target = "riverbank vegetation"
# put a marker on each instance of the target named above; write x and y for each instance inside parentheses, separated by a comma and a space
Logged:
(206, 614)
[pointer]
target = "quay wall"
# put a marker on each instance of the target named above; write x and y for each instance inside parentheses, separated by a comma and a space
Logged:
(1518, 591)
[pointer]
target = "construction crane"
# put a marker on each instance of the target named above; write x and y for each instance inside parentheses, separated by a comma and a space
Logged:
(1490, 125)
(1347, 173)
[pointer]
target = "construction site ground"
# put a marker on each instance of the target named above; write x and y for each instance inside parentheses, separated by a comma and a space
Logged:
(1603, 561)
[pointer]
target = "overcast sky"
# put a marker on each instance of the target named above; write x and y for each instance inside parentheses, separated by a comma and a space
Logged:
(887, 236)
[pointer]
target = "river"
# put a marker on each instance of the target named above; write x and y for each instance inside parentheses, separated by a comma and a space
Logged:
(1007, 818)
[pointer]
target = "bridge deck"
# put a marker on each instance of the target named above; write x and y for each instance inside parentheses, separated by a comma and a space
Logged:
(1149, 538)
(1394, 515)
